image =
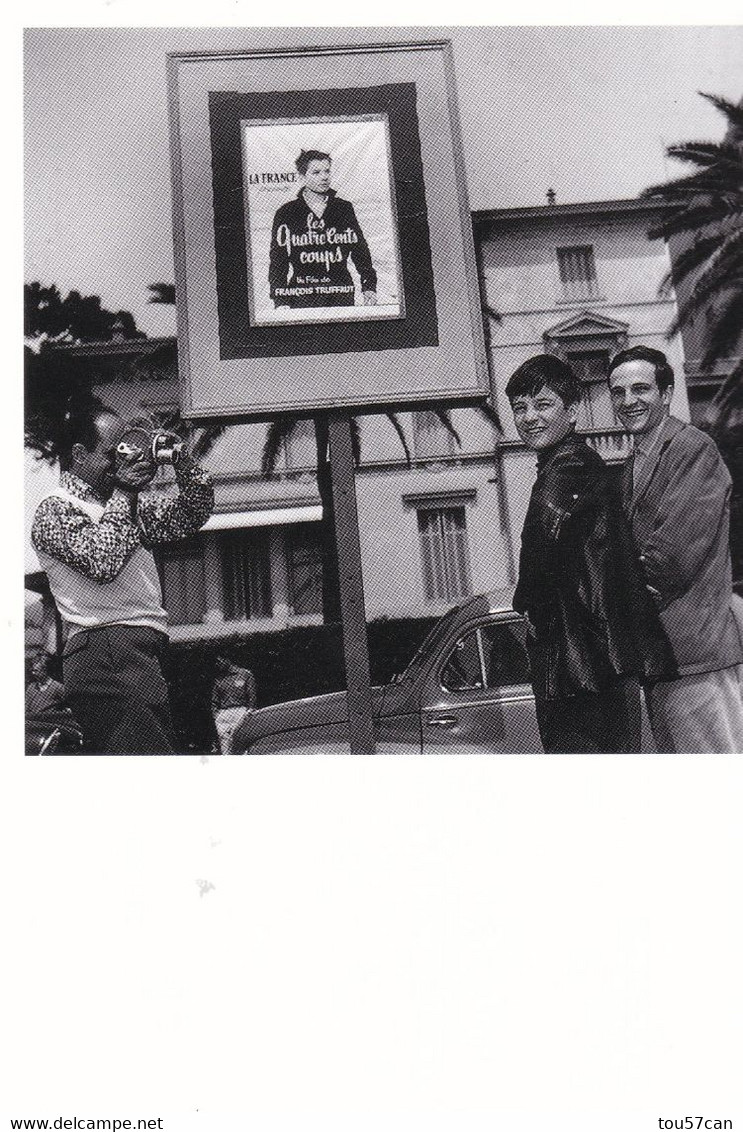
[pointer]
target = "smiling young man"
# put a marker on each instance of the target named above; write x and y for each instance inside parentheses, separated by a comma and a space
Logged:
(677, 498)
(593, 631)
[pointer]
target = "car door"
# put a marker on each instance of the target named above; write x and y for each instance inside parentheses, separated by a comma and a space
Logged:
(477, 696)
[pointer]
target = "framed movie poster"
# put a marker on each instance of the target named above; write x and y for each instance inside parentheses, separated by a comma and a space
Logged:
(323, 240)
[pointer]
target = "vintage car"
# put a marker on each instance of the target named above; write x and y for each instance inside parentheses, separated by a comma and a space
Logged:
(466, 689)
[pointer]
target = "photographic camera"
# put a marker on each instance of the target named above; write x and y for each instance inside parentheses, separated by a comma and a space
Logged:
(156, 446)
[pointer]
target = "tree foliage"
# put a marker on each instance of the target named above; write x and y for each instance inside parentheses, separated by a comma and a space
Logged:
(54, 393)
(55, 388)
(76, 318)
(707, 206)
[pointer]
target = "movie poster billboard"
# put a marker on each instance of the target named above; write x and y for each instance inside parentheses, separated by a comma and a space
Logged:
(323, 239)
(321, 225)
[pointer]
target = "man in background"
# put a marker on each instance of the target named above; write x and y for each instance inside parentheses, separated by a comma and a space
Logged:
(234, 690)
(677, 498)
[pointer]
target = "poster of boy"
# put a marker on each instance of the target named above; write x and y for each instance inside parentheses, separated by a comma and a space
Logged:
(320, 221)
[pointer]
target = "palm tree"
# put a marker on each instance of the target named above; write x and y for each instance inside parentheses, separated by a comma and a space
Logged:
(277, 435)
(706, 208)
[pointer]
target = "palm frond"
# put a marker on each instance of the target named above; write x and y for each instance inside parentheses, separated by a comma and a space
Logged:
(698, 215)
(723, 173)
(206, 439)
(732, 111)
(692, 258)
(704, 153)
(726, 330)
(727, 398)
(492, 314)
(714, 181)
(667, 285)
(277, 433)
(445, 417)
(724, 270)
(397, 425)
(490, 414)
(162, 293)
(724, 267)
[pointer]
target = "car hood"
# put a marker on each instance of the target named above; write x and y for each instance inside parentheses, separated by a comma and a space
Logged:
(314, 711)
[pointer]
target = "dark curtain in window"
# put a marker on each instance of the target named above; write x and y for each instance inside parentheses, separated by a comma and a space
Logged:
(181, 569)
(246, 574)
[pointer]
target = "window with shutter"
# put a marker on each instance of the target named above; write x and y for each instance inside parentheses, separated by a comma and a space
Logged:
(444, 553)
(578, 273)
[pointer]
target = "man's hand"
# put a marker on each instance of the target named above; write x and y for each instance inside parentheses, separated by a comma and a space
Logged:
(133, 473)
(370, 298)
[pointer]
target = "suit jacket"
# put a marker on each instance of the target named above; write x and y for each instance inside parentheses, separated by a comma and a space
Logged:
(580, 581)
(679, 509)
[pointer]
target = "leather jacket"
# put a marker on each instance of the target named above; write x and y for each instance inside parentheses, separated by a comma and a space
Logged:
(591, 617)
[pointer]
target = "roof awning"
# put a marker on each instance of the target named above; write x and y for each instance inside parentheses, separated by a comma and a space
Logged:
(270, 517)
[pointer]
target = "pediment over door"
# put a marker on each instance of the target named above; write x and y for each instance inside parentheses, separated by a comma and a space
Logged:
(586, 330)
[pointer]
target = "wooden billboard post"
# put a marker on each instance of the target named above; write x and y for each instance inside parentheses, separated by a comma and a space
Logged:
(353, 616)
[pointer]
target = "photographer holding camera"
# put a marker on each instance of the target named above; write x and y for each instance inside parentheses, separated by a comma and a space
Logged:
(93, 535)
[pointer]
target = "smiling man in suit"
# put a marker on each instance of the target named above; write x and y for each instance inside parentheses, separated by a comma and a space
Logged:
(677, 497)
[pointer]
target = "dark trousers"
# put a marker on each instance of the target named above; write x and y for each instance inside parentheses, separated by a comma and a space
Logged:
(596, 723)
(117, 691)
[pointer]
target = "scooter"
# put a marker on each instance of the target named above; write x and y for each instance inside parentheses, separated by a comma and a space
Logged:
(56, 733)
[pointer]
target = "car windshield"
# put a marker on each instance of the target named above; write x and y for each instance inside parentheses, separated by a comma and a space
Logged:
(429, 643)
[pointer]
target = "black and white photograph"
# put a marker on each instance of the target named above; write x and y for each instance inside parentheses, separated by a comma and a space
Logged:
(380, 660)
(445, 480)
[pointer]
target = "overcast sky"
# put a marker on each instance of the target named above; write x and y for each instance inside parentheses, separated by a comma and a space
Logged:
(583, 110)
